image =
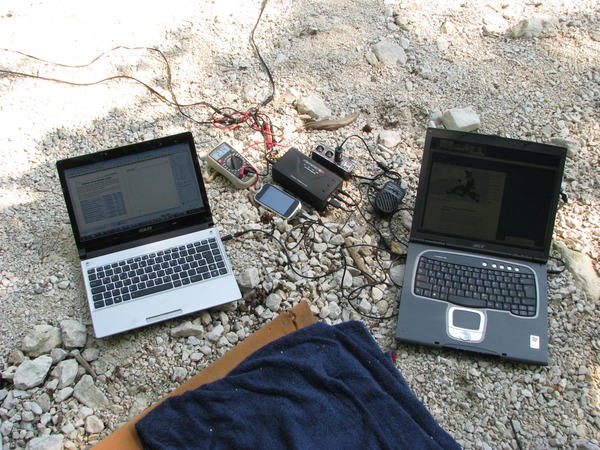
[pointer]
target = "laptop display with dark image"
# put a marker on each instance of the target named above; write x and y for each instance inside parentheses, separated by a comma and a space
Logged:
(145, 235)
(476, 275)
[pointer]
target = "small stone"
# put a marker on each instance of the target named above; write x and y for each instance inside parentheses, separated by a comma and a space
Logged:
(63, 284)
(214, 334)
(91, 354)
(93, 425)
(273, 302)
(247, 281)
(58, 354)
(572, 145)
(442, 44)
(63, 394)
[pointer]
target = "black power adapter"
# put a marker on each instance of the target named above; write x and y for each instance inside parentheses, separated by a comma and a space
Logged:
(388, 199)
(305, 178)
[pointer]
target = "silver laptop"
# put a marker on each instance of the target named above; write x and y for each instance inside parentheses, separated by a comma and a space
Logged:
(143, 227)
(476, 275)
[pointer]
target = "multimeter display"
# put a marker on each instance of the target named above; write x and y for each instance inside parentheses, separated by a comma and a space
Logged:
(220, 151)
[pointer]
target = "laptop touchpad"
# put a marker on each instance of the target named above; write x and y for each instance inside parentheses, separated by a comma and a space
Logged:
(465, 325)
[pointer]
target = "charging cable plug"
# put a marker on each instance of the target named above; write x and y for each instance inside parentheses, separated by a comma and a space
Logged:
(335, 203)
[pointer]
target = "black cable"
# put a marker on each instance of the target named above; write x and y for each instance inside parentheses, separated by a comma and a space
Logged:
(262, 61)
(380, 164)
(173, 100)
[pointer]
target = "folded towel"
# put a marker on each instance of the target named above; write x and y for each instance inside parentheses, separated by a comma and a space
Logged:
(321, 387)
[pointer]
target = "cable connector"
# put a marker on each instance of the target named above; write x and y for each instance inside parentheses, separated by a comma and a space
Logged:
(335, 204)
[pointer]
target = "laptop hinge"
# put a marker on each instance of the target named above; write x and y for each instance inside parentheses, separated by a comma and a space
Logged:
(82, 253)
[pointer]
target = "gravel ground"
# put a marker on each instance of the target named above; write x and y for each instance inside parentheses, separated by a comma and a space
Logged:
(454, 55)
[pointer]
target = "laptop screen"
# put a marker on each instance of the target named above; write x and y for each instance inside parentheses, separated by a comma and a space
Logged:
(488, 193)
(138, 190)
(133, 191)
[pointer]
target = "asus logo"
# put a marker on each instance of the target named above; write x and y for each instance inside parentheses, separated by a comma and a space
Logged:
(478, 245)
(143, 230)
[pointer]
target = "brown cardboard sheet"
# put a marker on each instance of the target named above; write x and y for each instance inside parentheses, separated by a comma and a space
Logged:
(287, 322)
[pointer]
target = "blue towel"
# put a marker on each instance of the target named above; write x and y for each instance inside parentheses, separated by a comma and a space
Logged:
(321, 387)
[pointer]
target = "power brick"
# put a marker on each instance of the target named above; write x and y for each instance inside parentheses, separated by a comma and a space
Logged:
(305, 178)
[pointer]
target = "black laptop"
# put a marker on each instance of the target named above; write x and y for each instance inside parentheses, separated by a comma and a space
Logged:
(476, 274)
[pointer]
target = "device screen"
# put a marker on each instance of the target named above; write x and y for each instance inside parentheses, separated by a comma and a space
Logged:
(277, 201)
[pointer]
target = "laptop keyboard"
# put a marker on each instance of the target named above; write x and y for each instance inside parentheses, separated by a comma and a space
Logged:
(499, 287)
(155, 272)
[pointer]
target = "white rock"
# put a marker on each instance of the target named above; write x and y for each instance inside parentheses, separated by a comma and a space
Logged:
(389, 138)
(187, 329)
(88, 394)
(49, 442)
(461, 119)
(389, 53)
(572, 145)
(65, 372)
(538, 25)
(74, 333)
(63, 394)
(214, 334)
(93, 425)
(273, 302)
(58, 354)
(41, 340)
(314, 107)
(32, 373)
(364, 306)
(442, 44)
(91, 354)
(247, 281)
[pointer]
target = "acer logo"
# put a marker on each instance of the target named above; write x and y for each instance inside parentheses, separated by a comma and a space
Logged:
(143, 230)
(478, 245)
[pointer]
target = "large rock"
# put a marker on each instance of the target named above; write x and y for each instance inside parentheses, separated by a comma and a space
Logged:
(389, 53)
(74, 333)
(187, 329)
(582, 268)
(41, 340)
(32, 373)
(49, 442)
(314, 107)
(87, 393)
(538, 25)
(461, 119)
(65, 372)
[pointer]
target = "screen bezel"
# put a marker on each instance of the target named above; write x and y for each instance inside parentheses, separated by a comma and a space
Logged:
(129, 238)
(418, 234)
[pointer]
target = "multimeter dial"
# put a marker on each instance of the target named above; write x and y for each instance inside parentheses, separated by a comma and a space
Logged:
(232, 165)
